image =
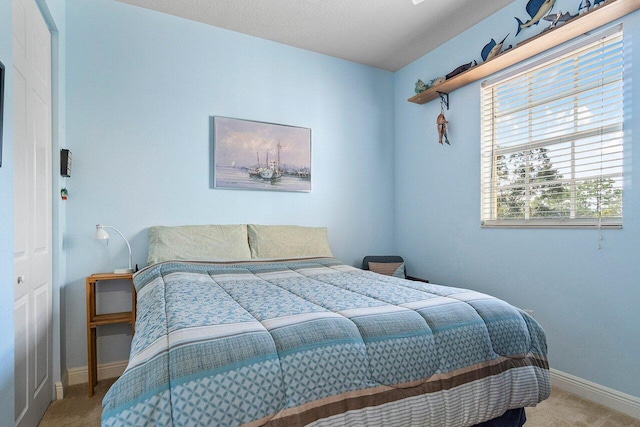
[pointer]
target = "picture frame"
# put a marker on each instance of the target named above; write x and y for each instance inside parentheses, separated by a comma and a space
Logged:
(1, 108)
(253, 155)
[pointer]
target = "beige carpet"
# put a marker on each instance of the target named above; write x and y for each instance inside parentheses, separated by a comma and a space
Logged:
(565, 409)
(77, 409)
(560, 410)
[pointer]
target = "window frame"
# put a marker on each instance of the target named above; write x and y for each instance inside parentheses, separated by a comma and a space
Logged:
(490, 150)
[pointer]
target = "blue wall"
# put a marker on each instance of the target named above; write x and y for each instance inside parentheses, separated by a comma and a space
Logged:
(587, 299)
(6, 225)
(141, 88)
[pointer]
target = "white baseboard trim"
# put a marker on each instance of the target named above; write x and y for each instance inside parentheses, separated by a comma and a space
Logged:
(612, 399)
(80, 375)
(59, 390)
(62, 385)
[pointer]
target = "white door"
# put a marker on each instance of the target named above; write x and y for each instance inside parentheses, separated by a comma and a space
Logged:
(32, 212)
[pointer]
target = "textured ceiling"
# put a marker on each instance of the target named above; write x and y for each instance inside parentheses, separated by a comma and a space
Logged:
(387, 34)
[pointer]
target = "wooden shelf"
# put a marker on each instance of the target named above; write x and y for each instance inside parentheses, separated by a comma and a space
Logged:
(94, 320)
(110, 276)
(607, 12)
(111, 318)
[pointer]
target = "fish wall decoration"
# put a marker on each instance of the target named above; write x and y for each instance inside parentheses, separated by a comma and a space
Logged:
(558, 18)
(585, 5)
(461, 69)
(537, 9)
(492, 49)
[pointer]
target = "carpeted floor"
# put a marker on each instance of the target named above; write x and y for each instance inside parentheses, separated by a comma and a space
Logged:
(560, 410)
(77, 409)
(564, 409)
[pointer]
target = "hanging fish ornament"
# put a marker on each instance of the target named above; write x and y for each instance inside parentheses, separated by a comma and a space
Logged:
(536, 9)
(441, 123)
(492, 49)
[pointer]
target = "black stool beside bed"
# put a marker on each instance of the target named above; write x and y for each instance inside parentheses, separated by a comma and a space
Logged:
(393, 260)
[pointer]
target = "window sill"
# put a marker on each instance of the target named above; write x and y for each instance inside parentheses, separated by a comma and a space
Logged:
(575, 224)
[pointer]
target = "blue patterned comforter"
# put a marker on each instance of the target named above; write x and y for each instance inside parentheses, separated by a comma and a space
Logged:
(317, 342)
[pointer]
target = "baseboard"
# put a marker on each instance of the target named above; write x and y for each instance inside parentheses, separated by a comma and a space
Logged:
(59, 390)
(612, 399)
(108, 370)
(61, 386)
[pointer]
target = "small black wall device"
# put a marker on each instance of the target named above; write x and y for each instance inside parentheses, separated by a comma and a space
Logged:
(65, 162)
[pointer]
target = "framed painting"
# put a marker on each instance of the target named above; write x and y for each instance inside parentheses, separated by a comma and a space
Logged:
(1, 107)
(250, 155)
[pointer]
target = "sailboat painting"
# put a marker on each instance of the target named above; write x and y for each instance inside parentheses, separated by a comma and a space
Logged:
(251, 155)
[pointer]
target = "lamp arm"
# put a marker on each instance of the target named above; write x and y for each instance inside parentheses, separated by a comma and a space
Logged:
(123, 238)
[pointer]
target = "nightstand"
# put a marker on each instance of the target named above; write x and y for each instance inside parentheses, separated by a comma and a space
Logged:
(94, 320)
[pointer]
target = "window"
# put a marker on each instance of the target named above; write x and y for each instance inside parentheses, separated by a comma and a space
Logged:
(552, 139)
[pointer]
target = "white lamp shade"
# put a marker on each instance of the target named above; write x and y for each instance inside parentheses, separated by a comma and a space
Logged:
(101, 233)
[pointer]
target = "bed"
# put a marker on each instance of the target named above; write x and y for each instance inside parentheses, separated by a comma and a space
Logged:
(312, 341)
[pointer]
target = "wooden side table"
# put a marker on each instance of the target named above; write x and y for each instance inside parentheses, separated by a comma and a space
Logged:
(94, 320)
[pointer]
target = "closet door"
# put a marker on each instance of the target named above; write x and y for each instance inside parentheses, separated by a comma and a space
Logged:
(32, 212)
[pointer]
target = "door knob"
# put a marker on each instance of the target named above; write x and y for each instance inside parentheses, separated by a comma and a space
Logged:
(20, 280)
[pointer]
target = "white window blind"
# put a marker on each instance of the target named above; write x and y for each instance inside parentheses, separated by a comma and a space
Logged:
(552, 139)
